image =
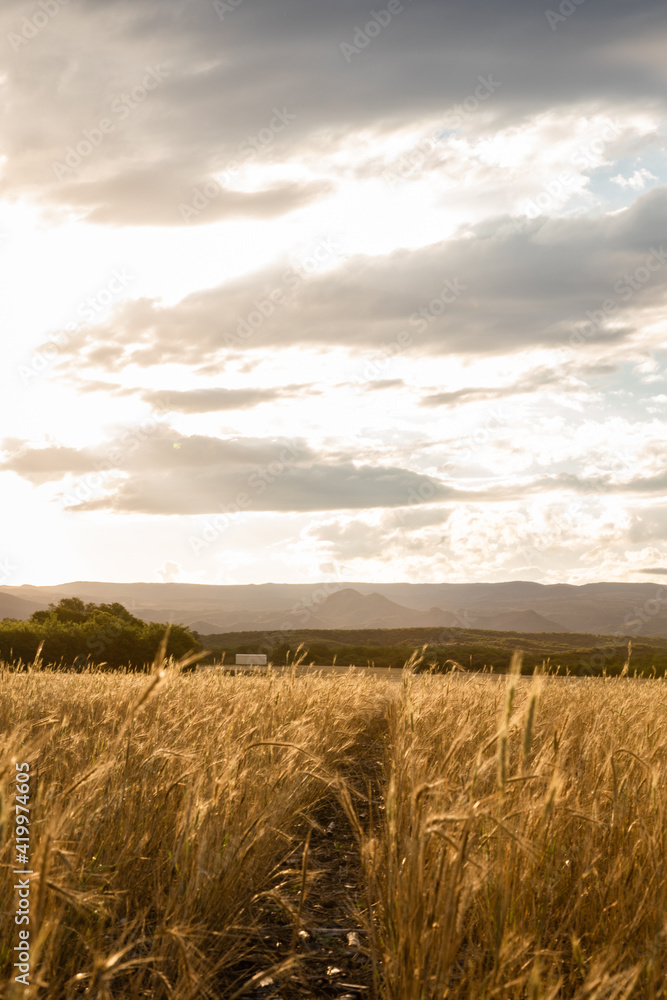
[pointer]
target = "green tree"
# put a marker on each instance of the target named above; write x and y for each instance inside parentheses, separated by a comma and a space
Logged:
(73, 634)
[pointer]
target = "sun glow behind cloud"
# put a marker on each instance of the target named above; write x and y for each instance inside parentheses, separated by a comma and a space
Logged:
(306, 300)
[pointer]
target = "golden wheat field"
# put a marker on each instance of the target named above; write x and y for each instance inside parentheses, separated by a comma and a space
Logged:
(203, 835)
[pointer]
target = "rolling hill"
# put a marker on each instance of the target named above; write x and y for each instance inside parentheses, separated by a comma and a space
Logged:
(17, 607)
(519, 621)
(598, 608)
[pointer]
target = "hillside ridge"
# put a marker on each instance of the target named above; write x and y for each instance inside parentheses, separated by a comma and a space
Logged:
(594, 608)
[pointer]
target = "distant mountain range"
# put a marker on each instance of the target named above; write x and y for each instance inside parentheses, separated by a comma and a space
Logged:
(596, 608)
(17, 607)
(348, 608)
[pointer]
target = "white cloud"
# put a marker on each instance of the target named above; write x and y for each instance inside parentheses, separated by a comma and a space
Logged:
(637, 181)
(424, 288)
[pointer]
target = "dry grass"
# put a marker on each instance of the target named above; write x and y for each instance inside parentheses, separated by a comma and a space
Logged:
(160, 825)
(523, 849)
(514, 844)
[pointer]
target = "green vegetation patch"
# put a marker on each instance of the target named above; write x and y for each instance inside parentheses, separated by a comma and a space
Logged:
(74, 634)
(446, 649)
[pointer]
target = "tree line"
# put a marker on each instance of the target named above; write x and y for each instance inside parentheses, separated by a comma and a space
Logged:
(73, 634)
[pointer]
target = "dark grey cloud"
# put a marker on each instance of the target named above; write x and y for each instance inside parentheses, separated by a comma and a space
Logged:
(149, 197)
(318, 487)
(161, 472)
(214, 399)
(494, 289)
(219, 399)
(155, 470)
(568, 378)
(648, 525)
(643, 484)
(358, 540)
(605, 484)
(385, 383)
(224, 78)
(42, 465)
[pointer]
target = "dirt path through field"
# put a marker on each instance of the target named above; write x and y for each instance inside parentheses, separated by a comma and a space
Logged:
(326, 932)
(328, 939)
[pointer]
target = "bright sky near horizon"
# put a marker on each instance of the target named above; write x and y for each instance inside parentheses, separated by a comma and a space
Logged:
(295, 290)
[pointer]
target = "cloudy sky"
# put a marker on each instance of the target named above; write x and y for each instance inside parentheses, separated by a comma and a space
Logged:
(295, 290)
